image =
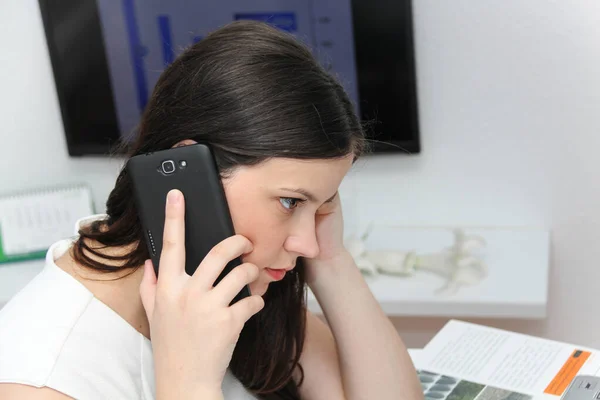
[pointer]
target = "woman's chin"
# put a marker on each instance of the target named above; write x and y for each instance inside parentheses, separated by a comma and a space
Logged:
(259, 288)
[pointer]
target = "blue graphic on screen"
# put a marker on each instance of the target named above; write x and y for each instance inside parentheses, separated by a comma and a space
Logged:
(142, 38)
(165, 36)
(137, 53)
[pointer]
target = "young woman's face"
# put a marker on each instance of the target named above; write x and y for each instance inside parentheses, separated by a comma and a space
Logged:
(274, 204)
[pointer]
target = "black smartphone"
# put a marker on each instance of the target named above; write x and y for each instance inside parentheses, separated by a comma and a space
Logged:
(192, 170)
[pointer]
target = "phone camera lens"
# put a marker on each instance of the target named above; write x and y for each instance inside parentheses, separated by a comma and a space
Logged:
(168, 167)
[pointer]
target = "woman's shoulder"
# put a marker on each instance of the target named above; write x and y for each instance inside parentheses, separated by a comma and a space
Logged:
(34, 325)
(54, 333)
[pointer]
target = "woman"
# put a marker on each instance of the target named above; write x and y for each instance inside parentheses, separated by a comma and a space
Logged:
(284, 135)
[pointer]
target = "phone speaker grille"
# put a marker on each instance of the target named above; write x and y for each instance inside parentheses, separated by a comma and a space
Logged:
(151, 240)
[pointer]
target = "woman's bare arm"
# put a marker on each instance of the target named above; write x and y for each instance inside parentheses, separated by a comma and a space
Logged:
(15, 391)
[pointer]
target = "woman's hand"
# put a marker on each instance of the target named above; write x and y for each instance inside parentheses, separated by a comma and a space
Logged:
(385, 370)
(193, 329)
(329, 225)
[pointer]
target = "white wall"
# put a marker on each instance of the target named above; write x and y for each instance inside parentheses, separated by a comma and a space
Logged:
(509, 98)
(32, 146)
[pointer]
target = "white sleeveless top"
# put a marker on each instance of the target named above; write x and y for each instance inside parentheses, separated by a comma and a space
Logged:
(54, 333)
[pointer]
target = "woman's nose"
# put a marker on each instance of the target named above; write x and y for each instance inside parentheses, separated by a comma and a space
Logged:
(304, 242)
(310, 247)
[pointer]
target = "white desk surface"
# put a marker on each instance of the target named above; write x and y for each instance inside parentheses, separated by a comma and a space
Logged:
(515, 288)
(516, 285)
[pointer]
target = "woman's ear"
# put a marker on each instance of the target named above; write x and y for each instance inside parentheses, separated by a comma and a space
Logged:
(185, 142)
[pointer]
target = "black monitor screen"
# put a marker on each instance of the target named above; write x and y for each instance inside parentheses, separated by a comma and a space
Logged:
(108, 54)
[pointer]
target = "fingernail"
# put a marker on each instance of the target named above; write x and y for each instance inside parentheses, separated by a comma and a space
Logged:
(174, 196)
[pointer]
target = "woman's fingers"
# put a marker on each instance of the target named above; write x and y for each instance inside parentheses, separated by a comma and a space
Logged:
(172, 256)
(244, 309)
(234, 282)
(217, 258)
(148, 289)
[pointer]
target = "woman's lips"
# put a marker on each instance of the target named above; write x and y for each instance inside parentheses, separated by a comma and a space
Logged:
(276, 274)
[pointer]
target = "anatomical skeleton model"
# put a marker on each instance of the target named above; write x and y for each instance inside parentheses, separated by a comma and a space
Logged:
(457, 264)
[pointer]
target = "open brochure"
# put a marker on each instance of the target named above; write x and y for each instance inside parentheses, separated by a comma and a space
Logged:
(466, 361)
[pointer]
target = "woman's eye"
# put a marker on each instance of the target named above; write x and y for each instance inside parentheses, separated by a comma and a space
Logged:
(289, 203)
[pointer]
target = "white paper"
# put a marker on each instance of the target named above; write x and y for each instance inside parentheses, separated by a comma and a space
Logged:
(507, 360)
(34, 221)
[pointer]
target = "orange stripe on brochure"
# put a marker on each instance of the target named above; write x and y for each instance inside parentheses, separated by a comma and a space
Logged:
(567, 373)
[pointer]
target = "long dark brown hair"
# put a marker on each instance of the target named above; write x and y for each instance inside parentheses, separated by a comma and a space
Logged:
(252, 92)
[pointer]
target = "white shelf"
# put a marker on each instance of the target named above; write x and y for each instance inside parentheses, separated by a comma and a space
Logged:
(516, 285)
(14, 276)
